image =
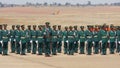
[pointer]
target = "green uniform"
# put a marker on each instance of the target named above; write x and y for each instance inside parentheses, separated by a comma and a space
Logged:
(47, 40)
(17, 39)
(40, 41)
(89, 38)
(71, 39)
(0, 41)
(112, 38)
(54, 41)
(82, 39)
(104, 39)
(59, 43)
(76, 41)
(12, 37)
(96, 39)
(33, 39)
(65, 36)
(118, 40)
(28, 38)
(5, 38)
(23, 41)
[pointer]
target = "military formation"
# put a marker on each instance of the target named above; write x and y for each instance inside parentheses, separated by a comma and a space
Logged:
(44, 39)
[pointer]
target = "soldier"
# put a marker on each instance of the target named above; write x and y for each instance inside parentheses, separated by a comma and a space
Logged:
(60, 36)
(33, 39)
(54, 40)
(47, 39)
(112, 39)
(104, 39)
(40, 40)
(82, 39)
(23, 40)
(71, 38)
(76, 39)
(1, 42)
(89, 37)
(5, 38)
(65, 36)
(96, 39)
(17, 39)
(12, 39)
(28, 44)
(118, 39)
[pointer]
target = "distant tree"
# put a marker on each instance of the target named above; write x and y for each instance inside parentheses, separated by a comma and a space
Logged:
(89, 3)
(67, 4)
(45, 4)
(78, 4)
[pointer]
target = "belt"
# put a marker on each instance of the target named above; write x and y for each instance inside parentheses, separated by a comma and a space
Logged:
(70, 36)
(95, 36)
(54, 36)
(112, 37)
(22, 37)
(16, 36)
(33, 36)
(89, 36)
(104, 36)
(82, 37)
(40, 37)
(5, 37)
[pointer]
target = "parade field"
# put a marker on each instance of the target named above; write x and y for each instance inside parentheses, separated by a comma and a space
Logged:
(64, 16)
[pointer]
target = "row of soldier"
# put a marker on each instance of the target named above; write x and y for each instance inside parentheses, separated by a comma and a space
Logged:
(49, 40)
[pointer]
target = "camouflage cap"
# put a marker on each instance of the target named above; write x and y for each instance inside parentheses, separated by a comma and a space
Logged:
(39, 25)
(4, 24)
(75, 26)
(29, 26)
(66, 26)
(81, 26)
(59, 25)
(13, 25)
(54, 25)
(22, 25)
(111, 26)
(70, 27)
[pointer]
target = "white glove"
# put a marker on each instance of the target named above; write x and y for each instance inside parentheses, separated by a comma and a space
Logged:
(74, 42)
(10, 39)
(1, 41)
(119, 42)
(20, 42)
(108, 41)
(100, 41)
(67, 41)
(14, 40)
(31, 41)
(36, 41)
(93, 42)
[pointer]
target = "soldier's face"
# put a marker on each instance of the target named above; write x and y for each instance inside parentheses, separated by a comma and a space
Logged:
(13, 27)
(23, 28)
(54, 28)
(1, 27)
(59, 28)
(40, 28)
(29, 28)
(82, 28)
(5, 27)
(66, 28)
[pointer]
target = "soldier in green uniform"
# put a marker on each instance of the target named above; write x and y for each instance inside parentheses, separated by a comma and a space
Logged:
(96, 39)
(65, 36)
(28, 38)
(118, 39)
(112, 39)
(54, 40)
(33, 39)
(17, 39)
(40, 40)
(47, 38)
(82, 39)
(89, 38)
(12, 39)
(104, 39)
(60, 37)
(71, 38)
(1, 39)
(23, 41)
(76, 39)
(5, 38)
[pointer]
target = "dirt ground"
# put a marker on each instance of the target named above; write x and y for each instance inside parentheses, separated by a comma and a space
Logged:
(64, 16)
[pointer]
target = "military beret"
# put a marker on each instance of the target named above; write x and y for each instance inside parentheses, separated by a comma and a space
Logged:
(111, 26)
(22, 25)
(54, 25)
(13, 25)
(75, 26)
(47, 23)
(81, 26)
(34, 25)
(17, 26)
(29, 26)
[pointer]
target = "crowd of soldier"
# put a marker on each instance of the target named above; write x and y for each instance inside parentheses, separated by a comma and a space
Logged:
(49, 40)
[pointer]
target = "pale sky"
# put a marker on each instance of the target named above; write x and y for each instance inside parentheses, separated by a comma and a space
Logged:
(58, 1)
